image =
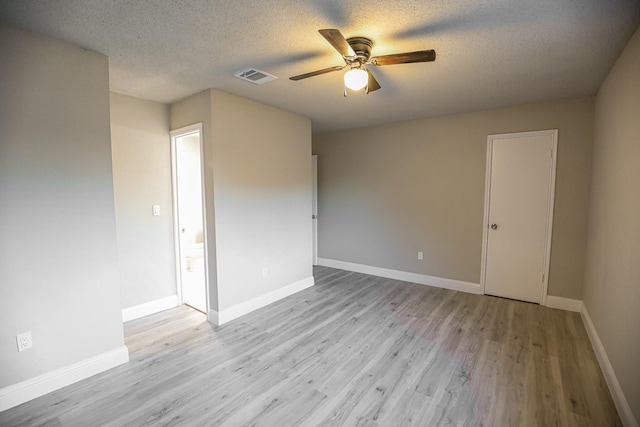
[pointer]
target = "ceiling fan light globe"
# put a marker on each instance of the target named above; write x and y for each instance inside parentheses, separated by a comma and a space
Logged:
(356, 79)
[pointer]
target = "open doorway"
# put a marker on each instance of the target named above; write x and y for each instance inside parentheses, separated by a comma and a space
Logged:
(189, 213)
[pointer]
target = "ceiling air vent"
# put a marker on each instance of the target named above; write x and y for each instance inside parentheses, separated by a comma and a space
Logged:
(255, 76)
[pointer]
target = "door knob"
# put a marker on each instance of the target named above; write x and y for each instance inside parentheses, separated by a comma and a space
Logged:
(494, 226)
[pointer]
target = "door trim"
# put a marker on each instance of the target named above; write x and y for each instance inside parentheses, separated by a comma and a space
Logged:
(550, 203)
(314, 209)
(184, 131)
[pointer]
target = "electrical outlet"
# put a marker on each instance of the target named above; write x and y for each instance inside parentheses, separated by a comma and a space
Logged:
(24, 341)
(420, 256)
(265, 272)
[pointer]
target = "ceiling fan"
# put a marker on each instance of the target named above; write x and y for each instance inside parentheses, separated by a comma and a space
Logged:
(356, 52)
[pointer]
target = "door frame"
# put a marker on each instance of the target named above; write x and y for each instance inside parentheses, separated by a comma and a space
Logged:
(314, 208)
(177, 133)
(553, 133)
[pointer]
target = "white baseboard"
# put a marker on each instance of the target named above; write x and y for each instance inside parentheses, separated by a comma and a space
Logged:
(619, 399)
(27, 390)
(422, 279)
(152, 307)
(562, 303)
(228, 314)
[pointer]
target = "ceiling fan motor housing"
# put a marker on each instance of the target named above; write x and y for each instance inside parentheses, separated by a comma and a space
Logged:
(362, 47)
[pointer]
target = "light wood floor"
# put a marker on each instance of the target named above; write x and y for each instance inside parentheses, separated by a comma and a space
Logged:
(354, 350)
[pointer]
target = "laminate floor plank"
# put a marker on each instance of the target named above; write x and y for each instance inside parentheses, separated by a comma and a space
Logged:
(484, 382)
(353, 350)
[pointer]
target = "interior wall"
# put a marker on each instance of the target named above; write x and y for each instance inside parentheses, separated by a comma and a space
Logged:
(58, 251)
(262, 175)
(612, 279)
(189, 111)
(389, 191)
(141, 153)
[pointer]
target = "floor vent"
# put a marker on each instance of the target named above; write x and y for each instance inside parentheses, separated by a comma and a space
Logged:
(255, 76)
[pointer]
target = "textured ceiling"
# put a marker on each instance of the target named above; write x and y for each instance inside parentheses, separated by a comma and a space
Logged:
(490, 53)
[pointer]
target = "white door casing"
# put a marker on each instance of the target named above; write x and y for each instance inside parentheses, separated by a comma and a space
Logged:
(189, 213)
(314, 208)
(519, 195)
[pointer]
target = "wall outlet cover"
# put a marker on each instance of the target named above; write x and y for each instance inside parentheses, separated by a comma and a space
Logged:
(24, 341)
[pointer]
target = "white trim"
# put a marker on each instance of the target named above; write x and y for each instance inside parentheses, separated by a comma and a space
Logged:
(213, 317)
(186, 130)
(567, 304)
(485, 218)
(314, 209)
(176, 133)
(551, 200)
(228, 314)
(550, 208)
(27, 390)
(624, 409)
(151, 307)
(176, 225)
(422, 279)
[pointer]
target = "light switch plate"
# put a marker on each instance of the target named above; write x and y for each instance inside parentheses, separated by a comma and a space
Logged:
(156, 210)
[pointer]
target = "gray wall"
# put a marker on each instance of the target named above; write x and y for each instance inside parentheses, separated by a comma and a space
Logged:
(389, 191)
(141, 152)
(58, 255)
(612, 279)
(262, 178)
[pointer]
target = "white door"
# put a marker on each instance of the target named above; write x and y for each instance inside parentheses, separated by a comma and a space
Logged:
(189, 212)
(314, 208)
(518, 214)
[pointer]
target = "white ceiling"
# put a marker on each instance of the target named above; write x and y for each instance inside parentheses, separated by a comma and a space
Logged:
(490, 53)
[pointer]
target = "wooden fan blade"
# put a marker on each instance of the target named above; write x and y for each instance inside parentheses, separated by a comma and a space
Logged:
(338, 42)
(373, 83)
(405, 58)
(317, 73)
